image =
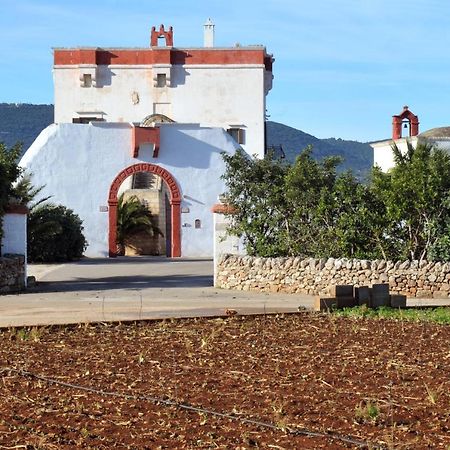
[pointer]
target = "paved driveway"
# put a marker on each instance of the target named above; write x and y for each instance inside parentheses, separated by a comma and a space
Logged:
(132, 288)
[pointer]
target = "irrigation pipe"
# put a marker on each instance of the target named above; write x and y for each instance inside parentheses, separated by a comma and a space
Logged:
(187, 407)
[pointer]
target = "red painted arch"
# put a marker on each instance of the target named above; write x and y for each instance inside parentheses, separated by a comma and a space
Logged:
(175, 205)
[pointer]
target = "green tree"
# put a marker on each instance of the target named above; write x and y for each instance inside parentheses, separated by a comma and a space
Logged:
(309, 209)
(55, 233)
(255, 188)
(416, 194)
(133, 217)
(309, 193)
(359, 220)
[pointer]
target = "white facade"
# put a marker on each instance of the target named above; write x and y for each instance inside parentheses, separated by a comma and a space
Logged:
(217, 87)
(383, 155)
(226, 97)
(76, 164)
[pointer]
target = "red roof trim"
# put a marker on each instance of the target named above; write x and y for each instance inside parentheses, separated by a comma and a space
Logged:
(162, 56)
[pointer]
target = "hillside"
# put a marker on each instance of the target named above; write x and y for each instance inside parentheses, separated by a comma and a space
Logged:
(23, 122)
(357, 156)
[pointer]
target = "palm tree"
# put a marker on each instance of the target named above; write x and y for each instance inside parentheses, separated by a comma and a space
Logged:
(24, 192)
(133, 217)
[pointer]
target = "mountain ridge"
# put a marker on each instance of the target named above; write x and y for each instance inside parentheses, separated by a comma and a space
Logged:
(24, 121)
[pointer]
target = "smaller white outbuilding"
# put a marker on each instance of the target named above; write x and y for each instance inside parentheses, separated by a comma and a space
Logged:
(405, 130)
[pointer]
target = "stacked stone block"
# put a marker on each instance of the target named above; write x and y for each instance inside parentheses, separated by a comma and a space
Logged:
(348, 296)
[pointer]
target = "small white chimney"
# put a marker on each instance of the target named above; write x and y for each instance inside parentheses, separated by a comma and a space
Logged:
(208, 37)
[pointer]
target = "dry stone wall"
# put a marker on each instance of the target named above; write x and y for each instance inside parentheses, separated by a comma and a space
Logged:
(314, 276)
(12, 273)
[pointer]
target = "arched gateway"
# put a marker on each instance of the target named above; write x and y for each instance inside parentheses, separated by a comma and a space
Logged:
(175, 205)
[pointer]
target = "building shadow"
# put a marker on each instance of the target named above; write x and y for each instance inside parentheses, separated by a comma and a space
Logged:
(131, 282)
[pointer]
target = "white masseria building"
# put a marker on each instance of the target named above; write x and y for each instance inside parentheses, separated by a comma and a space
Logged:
(161, 110)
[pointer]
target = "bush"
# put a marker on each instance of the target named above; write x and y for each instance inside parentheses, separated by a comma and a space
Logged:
(54, 234)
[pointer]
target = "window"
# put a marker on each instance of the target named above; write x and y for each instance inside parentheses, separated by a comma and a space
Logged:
(86, 119)
(161, 80)
(237, 134)
(87, 80)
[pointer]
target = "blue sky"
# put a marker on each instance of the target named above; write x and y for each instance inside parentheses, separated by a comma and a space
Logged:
(342, 69)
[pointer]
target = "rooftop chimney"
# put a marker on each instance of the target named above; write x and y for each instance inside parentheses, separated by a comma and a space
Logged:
(208, 37)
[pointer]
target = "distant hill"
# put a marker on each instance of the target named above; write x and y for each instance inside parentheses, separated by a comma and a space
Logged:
(357, 156)
(23, 122)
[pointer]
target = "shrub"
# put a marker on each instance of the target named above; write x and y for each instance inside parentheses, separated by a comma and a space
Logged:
(54, 234)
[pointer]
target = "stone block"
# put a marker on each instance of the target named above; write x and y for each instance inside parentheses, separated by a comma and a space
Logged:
(362, 295)
(325, 304)
(422, 293)
(398, 301)
(440, 294)
(380, 295)
(346, 302)
(341, 290)
(330, 303)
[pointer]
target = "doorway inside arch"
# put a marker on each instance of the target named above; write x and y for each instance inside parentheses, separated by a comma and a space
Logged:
(155, 191)
(149, 190)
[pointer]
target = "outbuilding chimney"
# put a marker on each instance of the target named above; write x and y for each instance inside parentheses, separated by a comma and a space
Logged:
(208, 37)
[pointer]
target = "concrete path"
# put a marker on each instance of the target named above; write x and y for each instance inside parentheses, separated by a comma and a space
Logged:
(135, 288)
(138, 288)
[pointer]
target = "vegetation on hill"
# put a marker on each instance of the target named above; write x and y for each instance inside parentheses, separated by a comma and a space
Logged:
(355, 155)
(310, 209)
(22, 122)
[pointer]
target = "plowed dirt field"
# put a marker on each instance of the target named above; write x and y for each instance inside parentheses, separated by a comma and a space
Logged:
(302, 381)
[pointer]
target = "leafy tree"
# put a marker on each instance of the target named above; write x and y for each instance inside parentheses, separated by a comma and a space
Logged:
(309, 209)
(331, 213)
(255, 187)
(309, 193)
(359, 220)
(133, 217)
(416, 193)
(55, 233)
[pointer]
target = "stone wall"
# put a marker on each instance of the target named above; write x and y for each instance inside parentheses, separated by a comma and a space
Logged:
(314, 276)
(12, 273)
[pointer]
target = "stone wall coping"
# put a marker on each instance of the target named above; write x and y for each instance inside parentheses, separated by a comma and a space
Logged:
(220, 208)
(17, 209)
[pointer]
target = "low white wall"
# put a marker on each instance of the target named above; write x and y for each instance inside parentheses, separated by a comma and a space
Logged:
(14, 234)
(14, 241)
(224, 243)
